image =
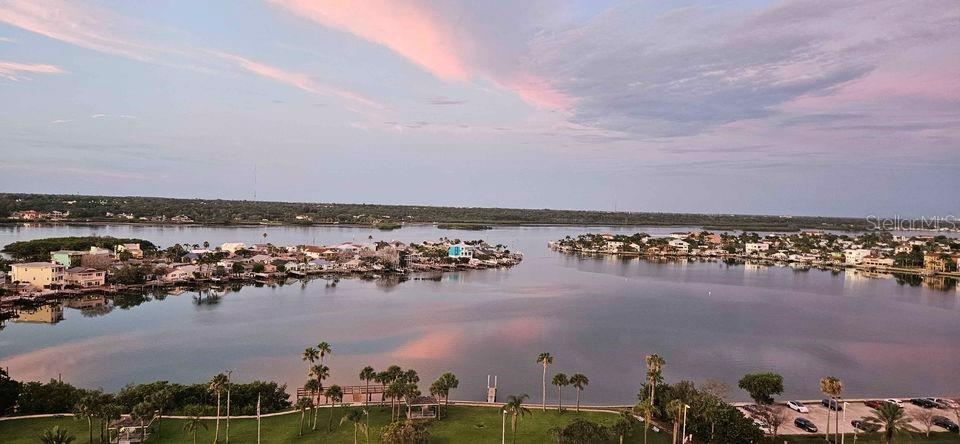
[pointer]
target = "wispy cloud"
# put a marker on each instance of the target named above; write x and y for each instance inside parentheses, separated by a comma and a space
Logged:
(439, 100)
(298, 80)
(454, 41)
(17, 71)
(102, 30)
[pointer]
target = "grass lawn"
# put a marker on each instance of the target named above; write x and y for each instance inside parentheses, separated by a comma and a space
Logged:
(459, 425)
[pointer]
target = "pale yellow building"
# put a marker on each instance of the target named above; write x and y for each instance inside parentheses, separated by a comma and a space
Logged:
(85, 277)
(38, 274)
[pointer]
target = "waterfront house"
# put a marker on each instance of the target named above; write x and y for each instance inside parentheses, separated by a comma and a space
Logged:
(232, 247)
(38, 275)
(756, 247)
(179, 273)
(460, 251)
(67, 258)
(26, 215)
(85, 277)
(680, 246)
(877, 262)
(313, 252)
(855, 256)
(133, 249)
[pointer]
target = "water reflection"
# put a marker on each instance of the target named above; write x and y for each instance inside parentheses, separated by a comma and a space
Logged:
(597, 315)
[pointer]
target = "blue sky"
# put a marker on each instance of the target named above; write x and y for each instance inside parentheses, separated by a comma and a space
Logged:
(776, 107)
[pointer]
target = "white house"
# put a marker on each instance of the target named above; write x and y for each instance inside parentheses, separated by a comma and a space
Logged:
(680, 246)
(756, 247)
(856, 256)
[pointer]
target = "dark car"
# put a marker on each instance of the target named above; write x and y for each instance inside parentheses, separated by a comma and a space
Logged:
(937, 403)
(943, 421)
(868, 427)
(805, 424)
(873, 403)
(831, 404)
(923, 402)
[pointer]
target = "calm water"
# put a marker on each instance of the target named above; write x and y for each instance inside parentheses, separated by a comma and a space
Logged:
(597, 316)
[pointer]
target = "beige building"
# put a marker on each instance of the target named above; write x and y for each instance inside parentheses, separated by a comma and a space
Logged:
(85, 277)
(38, 274)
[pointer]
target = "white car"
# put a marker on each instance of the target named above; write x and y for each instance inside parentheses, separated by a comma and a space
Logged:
(762, 426)
(893, 401)
(798, 406)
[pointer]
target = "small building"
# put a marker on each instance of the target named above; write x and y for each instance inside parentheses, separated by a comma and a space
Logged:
(133, 249)
(85, 277)
(38, 274)
(26, 215)
(877, 262)
(67, 258)
(422, 407)
(756, 247)
(855, 256)
(460, 251)
(680, 246)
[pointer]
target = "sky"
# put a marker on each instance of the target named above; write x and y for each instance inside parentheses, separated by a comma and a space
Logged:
(791, 107)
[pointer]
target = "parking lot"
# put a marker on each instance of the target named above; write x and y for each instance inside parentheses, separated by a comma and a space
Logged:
(853, 410)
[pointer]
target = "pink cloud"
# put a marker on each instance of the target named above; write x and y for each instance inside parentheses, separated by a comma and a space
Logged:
(439, 45)
(407, 28)
(14, 71)
(298, 80)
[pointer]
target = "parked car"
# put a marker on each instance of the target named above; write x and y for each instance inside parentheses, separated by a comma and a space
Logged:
(923, 402)
(753, 409)
(943, 421)
(873, 403)
(831, 404)
(893, 401)
(805, 424)
(798, 406)
(868, 427)
(939, 402)
(953, 404)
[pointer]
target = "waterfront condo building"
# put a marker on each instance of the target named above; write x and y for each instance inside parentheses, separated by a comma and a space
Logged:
(85, 277)
(38, 274)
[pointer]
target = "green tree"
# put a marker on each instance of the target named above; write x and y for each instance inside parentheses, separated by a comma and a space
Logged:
(832, 387)
(581, 431)
(86, 409)
(194, 422)
(762, 386)
(356, 418)
(892, 420)
(624, 425)
(367, 374)
(654, 374)
(560, 381)
(142, 412)
(9, 392)
(313, 387)
(320, 372)
(216, 386)
(56, 435)
(161, 400)
(515, 408)
(324, 349)
(335, 394)
(302, 405)
(237, 268)
(646, 409)
(580, 382)
(544, 359)
(405, 432)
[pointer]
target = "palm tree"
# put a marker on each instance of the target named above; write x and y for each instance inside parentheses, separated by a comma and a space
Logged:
(829, 387)
(647, 409)
(193, 422)
(56, 435)
(310, 355)
(313, 386)
(623, 425)
(367, 375)
(86, 408)
(580, 381)
(545, 359)
(335, 393)
(356, 417)
(144, 413)
(324, 349)
(675, 412)
(303, 404)
(654, 374)
(216, 386)
(517, 411)
(160, 401)
(892, 419)
(560, 380)
(108, 412)
(450, 382)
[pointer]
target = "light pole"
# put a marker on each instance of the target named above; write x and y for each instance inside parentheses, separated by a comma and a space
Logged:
(683, 437)
(843, 435)
(503, 428)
